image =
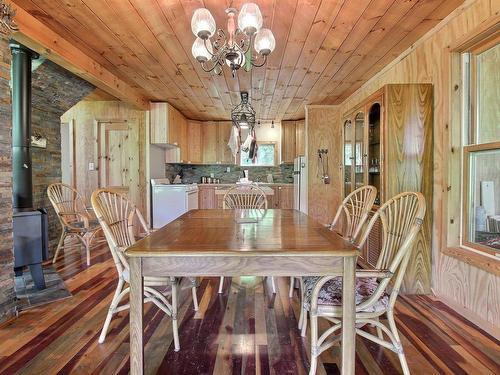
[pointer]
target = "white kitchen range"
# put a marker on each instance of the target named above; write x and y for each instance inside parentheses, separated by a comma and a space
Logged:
(169, 201)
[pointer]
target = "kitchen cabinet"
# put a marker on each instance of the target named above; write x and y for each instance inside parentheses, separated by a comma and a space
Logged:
(288, 141)
(282, 197)
(387, 143)
(194, 142)
(168, 127)
(206, 197)
(209, 135)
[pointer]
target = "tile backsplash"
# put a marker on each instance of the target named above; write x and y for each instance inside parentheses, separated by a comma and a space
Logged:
(192, 173)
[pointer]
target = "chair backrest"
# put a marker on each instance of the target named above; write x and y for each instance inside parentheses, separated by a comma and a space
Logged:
(245, 197)
(66, 200)
(355, 207)
(401, 218)
(117, 214)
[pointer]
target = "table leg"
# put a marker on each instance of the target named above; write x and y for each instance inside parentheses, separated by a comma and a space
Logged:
(348, 317)
(136, 312)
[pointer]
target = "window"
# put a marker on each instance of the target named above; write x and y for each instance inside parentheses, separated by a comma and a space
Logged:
(481, 146)
(266, 156)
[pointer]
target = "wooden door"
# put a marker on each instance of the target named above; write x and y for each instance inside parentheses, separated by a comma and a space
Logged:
(118, 157)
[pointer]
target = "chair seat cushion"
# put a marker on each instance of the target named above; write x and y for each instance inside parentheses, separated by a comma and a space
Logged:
(93, 224)
(331, 293)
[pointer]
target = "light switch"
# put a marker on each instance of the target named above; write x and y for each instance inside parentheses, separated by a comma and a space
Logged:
(91, 167)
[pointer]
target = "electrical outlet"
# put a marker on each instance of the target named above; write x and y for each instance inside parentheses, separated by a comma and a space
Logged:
(212, 175)
(228, 169)
(91, 167)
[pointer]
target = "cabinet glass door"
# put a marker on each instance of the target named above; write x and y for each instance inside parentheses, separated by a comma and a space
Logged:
(359, 170)
(374, 148)
(348, 157)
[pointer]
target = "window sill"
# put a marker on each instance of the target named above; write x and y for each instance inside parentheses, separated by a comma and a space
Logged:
(475, 258)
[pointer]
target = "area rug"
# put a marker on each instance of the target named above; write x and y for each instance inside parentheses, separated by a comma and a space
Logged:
(30, 297)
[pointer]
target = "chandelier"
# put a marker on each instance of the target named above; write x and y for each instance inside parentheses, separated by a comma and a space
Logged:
(243, 115)
(214, 48)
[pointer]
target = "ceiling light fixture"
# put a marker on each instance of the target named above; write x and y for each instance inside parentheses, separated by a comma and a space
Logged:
(243, 115)
(235, 48)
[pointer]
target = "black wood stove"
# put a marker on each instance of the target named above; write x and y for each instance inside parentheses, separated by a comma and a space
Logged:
(30, 225)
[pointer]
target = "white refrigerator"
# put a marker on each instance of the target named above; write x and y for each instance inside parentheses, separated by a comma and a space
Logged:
(300, 184)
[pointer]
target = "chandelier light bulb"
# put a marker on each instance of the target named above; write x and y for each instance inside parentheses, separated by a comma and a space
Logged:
(264, 42)
(203, 23)
(200, 52)
(250, 18)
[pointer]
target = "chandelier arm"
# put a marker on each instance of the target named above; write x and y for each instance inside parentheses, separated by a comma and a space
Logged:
(207, 69)
(258, 65)
(208, 50)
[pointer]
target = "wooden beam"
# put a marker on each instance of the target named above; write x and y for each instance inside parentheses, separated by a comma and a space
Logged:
(35, 35)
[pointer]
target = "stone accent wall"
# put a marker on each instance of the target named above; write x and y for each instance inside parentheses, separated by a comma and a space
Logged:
(193, 173)
(7, 295)
(54, 91)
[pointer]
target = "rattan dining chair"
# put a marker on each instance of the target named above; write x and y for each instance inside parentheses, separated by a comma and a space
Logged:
(117, 215)
(348, 221)
(401, 218)
(245, 197)
(74, 216)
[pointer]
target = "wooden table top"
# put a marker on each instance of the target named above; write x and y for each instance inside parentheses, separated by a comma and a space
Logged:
(216, 232)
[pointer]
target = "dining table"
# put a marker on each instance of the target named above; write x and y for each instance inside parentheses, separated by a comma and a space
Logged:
(213, 242)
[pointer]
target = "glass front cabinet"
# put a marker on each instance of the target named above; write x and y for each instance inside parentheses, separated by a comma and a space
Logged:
(362, 159)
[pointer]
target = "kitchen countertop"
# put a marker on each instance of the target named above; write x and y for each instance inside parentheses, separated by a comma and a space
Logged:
(259, 184)
(266, 189)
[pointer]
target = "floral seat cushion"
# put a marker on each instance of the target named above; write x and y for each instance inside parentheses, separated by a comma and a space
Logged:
(331, 293)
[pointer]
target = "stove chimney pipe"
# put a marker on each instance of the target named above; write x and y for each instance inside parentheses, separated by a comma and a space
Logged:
(22, 184)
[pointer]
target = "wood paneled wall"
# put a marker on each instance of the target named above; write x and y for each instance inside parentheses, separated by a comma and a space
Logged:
(474, 291)
(84, 115)
(323, 131)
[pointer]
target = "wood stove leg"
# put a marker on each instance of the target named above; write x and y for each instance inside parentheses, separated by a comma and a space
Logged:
(37, 275)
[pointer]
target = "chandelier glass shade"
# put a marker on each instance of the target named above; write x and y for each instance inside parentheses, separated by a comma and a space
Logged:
(243, 115)
(235, 46)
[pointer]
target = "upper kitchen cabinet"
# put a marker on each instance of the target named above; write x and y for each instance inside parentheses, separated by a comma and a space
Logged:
(194, 137)
(209, 135)
(169, 126)
(288, 141)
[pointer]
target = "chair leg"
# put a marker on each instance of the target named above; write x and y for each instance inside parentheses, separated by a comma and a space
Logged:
(273, 285)
(59, 245)
(114, 303)
(303, 331)
(87, 248)
(175, 328)
(380, 334)
(301, 316)
(292, 282)
(399, 346)
(195, 298)
(221, 284)
(314, 344)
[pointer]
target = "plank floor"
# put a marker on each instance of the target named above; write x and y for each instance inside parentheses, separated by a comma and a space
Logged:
(243, 331)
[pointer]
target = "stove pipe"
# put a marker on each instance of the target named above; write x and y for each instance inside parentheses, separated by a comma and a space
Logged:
(22, 184)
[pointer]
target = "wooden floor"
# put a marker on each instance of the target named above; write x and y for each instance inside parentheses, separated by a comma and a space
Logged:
(243, 331)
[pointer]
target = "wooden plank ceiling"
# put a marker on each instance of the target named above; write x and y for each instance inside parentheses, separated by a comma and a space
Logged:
(324, 51)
